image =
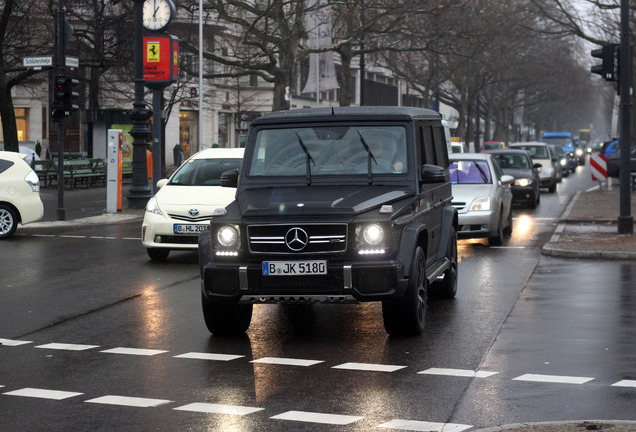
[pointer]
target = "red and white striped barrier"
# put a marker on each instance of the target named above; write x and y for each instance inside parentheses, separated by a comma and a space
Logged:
(599, 167)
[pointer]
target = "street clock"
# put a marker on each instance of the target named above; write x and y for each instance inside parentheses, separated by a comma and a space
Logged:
(158, 14)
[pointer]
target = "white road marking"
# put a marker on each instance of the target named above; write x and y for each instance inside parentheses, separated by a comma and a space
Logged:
(458, 372)
(625, 383)
(553, 379)
(134, 351)
(129, 401)
(72, 236)
(412, 425)
(208, 356)
(13, 342)
(311, 417)
(369, 367)
(42, 235)
(43, 393)
(67, 347)
(132, 238)
(218, 409)
(287, 361)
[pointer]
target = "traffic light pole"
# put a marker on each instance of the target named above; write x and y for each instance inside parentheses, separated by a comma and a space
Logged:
(61, 64)
(625, 220)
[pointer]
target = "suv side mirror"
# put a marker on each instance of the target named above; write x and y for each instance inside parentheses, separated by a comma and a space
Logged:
(433, 174)
(230, 178)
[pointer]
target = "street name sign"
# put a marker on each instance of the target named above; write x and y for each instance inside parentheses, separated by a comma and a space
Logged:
(37, 62)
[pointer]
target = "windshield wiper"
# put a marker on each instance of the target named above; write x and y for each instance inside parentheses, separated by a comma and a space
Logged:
(482, 173)
(309, 158)
(370, 157)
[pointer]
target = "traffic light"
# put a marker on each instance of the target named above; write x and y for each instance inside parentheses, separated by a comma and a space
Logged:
(608, 68)
(70, 96)
(57, 109)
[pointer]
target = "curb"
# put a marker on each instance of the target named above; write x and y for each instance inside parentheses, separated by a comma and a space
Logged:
(106, 218)
(564, 426)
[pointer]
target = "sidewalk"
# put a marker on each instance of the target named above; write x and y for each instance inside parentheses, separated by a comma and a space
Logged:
(588, 228)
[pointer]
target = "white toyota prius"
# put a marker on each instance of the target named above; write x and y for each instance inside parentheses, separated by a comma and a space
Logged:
(184, 203)
(19, 193)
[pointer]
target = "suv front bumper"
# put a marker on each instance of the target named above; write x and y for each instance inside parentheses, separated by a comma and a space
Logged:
(345, 282)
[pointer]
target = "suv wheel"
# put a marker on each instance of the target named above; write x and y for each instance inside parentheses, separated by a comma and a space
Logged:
(8, 221)
(447, 286)
(406, 315)
(158, 254)
(226, 317)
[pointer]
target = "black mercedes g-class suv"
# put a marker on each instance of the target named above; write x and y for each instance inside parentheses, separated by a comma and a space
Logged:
(334, 205)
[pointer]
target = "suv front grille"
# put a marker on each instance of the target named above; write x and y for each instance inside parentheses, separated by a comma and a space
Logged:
(297, 238)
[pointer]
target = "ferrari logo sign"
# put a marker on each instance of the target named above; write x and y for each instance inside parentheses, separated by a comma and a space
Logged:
(153, 51)
(160, 60)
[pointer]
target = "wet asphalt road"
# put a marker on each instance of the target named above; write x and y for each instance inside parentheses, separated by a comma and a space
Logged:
(97, 337)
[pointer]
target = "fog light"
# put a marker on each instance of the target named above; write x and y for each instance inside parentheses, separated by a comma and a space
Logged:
(157, 239)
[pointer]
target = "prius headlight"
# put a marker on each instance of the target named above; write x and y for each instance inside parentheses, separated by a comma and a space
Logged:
(152, 206)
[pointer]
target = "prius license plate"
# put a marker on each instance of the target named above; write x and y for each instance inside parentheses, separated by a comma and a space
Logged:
(294, 268)
(190, 228)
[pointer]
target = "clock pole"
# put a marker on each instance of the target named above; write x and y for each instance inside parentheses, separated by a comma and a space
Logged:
(140, 191)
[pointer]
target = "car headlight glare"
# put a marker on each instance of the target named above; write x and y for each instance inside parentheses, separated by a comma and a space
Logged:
(480, 204)
(152, 206)
(579, 152)
(523, 182)
(227, 236)
(373, 234)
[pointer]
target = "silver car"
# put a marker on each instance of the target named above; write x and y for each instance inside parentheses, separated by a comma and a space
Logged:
(482, 197)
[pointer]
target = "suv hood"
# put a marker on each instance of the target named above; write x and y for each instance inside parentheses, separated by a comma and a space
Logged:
(328, 200)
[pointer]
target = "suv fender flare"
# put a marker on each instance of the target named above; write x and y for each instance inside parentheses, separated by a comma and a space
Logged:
(204, 249)
(408, 243)
(449, 220)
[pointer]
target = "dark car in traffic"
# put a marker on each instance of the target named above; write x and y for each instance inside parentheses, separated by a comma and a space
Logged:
(614, 162)
(518, 163)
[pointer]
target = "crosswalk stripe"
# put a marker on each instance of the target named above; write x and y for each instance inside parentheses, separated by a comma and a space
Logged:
(625, 383)
(369, 367)
(13, 342)
(286, 361)
(413, 425)
(42, 393)
(208, 356)
(67, 347)
(312, 417)
(553, 379)
(129, 401)
(218, 409)
(458, 372)
(134, 351)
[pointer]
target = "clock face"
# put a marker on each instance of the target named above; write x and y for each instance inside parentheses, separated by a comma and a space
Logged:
(157, 14)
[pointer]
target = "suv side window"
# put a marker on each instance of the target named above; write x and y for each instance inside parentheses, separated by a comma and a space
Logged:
(440, 147)
(428, 148)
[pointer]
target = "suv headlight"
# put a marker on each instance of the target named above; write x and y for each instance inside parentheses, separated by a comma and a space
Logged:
(523, 182)
(152, 206)
(480, 204)
(227, 236)
(370, 239)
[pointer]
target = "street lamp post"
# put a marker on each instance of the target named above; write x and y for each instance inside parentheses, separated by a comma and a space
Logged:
(140, 191)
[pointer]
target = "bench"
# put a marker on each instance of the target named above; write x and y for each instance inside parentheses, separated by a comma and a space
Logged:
(41, 168)
(79, 171)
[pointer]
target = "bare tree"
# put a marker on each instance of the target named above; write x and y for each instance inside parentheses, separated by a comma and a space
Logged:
(25, 30)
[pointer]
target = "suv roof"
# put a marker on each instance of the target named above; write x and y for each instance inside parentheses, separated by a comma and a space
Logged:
(348, 113)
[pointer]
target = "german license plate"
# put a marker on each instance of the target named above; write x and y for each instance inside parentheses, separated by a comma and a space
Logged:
(294, 268)
(190, 228)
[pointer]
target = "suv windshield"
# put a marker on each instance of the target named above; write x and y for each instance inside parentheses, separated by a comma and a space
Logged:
(329, 150)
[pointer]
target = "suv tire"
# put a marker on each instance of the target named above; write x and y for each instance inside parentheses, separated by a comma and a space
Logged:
(226, 317)
(407, 315)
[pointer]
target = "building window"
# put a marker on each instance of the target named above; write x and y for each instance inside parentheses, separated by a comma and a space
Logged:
(21, 122)
(188, 132)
